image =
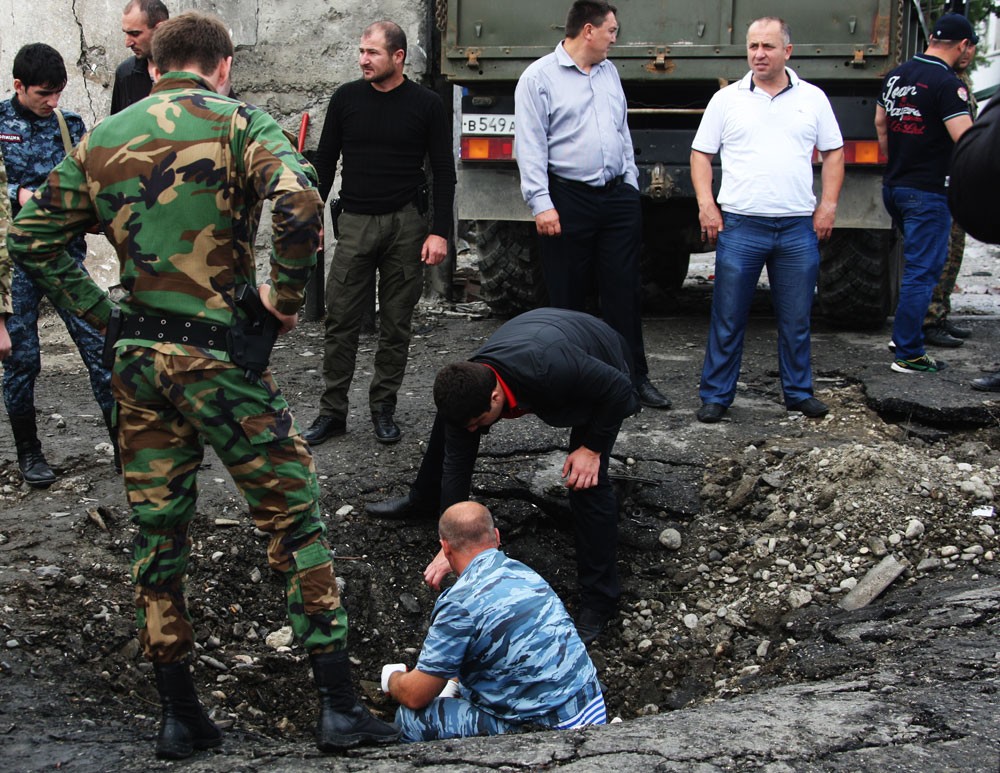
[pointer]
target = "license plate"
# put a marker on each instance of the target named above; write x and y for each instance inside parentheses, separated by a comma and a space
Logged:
(487, 124)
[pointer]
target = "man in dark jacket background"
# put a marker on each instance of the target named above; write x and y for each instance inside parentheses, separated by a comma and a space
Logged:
(571, 370)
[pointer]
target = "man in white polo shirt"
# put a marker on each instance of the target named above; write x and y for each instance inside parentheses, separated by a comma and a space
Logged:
(765, 126)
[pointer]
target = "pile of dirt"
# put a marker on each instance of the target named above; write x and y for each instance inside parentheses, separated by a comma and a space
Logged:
(722, 574)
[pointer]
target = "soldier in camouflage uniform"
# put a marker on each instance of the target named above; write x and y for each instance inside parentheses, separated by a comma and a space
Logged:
(32, 146)
(5, 305)
(938, 329)
(504, 634)
(173, 184)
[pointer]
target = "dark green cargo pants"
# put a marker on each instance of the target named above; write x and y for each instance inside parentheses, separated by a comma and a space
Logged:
(389, 244)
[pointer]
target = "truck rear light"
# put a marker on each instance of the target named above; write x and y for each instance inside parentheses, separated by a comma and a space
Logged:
(859, 152)
(487, 148)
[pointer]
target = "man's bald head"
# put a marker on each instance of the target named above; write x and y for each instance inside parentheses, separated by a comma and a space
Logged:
(468, 527)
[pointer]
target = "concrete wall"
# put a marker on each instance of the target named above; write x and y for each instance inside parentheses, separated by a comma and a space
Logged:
(290, 54)
(290, 57)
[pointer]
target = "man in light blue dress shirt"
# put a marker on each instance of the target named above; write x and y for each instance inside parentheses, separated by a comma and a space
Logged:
(579, 177)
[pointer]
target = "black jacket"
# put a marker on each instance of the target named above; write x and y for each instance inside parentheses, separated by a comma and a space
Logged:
(132, 83)
(568, 368)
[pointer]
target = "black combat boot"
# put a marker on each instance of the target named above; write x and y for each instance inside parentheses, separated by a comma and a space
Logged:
(185, 725)
(343, 721)
(34, 468)
(112, 425)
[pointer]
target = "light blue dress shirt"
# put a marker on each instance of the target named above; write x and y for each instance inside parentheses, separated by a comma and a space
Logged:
(571, 124)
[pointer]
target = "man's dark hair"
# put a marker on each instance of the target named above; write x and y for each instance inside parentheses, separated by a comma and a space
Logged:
(153, 10)
(786, 32)
(38, 64)
(395, 38)
(587, 12)
(462, 391)
(192, 38)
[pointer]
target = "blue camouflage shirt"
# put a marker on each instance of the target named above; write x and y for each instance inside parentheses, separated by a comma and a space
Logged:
(32, 147)
(506, 635)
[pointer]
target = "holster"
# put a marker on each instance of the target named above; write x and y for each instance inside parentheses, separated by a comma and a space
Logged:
(336, 207)
(112, 333)
(423, 199)
(253, 333)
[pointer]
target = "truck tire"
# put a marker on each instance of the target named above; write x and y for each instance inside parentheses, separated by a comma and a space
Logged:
(510, 270)
(859, 277)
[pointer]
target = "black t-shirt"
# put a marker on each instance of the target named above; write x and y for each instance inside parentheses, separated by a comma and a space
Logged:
(383, 137)
(919, 96)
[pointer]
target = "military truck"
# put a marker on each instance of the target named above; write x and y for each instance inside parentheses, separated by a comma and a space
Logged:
(672, 55)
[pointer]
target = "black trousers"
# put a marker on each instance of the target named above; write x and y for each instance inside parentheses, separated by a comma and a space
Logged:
(598, 252)
(445, 476)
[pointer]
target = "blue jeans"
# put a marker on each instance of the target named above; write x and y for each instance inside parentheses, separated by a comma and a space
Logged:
(789, 248)
(925, 221)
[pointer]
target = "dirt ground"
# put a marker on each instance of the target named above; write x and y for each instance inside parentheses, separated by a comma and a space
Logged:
(729, 534)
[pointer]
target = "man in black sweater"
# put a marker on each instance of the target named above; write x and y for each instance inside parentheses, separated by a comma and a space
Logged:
(383, 126)
(571, 370)
(134, 78)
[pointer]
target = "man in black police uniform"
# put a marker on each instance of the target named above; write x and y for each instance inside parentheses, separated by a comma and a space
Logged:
(571, 370)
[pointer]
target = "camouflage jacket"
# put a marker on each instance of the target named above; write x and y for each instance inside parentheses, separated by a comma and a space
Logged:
(175, 183)
(5, 304)
(33, 147)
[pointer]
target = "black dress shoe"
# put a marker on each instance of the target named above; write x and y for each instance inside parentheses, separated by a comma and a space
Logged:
(710, 413)
(399, 508)
(589, 624)
(987, 383)
(386, 430)
(650, 396)
(936, 335)
(324, 428)
(954, 330)
(810, 407)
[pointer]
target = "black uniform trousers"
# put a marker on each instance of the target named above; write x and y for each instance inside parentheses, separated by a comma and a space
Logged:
(598, 252)
(445, 476)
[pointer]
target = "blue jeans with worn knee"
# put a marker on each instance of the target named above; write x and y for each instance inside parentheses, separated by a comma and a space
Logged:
(789, 248)
(925, 221)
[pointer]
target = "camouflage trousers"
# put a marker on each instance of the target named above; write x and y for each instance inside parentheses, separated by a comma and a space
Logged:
(940, 306)
(21, 368)
(168, 406)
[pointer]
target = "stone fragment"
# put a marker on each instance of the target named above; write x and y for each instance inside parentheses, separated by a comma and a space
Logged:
(691, 620)
(880, 577)
(670, 539)
(914, 529)
(283, 637)
(799, 597)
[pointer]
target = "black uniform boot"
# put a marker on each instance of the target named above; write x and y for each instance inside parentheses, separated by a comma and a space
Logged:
(34, 468)
(185, 725)
(343, 721)
(112, 425)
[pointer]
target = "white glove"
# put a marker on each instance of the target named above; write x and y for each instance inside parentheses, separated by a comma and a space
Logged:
(450, 690)
(387, 670)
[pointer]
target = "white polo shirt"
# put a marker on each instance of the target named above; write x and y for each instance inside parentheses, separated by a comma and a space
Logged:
(767, 145)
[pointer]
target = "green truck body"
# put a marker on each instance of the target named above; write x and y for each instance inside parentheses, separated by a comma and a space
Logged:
(672, 56)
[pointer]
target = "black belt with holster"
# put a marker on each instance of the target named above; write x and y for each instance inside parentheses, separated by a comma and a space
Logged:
(248, 341)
